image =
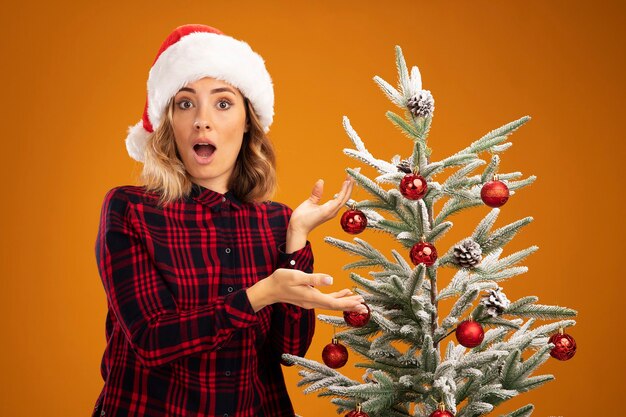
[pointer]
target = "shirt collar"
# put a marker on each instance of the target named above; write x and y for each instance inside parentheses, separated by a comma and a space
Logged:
(212, 198)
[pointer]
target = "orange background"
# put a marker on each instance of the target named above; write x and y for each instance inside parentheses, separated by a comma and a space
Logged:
(75, 80)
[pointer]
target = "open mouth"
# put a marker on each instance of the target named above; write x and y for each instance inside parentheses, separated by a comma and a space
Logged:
(204, 151)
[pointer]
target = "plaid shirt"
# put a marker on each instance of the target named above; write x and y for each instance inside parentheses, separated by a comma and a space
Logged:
(182, 337)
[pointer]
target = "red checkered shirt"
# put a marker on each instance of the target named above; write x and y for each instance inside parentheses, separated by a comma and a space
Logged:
(182, 337)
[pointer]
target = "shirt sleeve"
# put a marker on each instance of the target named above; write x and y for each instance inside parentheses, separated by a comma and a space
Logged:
(156, 328)
(293, 326)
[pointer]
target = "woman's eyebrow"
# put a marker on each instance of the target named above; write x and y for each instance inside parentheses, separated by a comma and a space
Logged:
(215, 90)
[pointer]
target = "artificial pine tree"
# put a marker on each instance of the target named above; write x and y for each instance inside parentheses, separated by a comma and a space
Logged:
(408, 371)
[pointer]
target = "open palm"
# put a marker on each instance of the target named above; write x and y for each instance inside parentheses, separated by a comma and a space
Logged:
(310, 214)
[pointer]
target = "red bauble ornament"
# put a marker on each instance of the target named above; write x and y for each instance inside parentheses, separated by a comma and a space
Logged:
(423, 253)
(564, 346)
(494, 193)
(356, 319)
(469, 333)
(357, 413)
(335, 355)
(353, 221)
(441, 412)
(413, 186)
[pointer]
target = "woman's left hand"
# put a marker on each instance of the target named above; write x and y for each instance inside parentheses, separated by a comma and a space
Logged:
(308, 215)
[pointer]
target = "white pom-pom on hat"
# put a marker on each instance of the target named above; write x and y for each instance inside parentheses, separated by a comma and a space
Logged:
(136, 141)
(190, 53)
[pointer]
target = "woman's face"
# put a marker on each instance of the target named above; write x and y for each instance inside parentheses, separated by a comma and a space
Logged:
(209, 111)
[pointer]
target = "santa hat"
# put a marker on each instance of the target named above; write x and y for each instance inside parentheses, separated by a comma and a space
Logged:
(192, 52)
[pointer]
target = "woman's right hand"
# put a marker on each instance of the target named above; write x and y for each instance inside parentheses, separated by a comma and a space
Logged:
(297, 287)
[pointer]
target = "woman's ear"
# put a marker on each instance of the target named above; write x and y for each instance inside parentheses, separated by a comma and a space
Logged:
(247, 126)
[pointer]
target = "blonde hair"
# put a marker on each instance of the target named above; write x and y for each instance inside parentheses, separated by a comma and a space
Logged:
(253, 179)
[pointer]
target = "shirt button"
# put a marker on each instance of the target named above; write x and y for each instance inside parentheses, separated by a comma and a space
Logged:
(225, 414)
(227, 250)
(227, 373)
(223, 199)
(230, 289)
(292, 262)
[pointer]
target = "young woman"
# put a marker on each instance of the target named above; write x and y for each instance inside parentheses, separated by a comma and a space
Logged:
(207, 281)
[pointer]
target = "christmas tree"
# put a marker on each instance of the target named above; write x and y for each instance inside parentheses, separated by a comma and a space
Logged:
(414, 365)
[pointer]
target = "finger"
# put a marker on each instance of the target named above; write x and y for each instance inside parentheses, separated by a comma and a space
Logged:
(351, 182)
(334, 205)
(316, 193)
(344, 186)
(343, 196)
(344, 189)
(350, 186)
(343, 304)
(352, 303)
(346, 197)
(316, 280)
(359, 308)
(341, 293)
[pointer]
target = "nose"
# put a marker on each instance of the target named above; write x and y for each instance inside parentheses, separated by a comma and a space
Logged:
(201, 124)
(203, 117)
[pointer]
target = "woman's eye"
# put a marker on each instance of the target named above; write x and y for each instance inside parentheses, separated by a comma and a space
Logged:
(181, 104)
(224, 104)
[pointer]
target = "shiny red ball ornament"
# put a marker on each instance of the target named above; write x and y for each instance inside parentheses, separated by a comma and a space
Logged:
(423, 253)
(354, 413)
(441, 412)
(564, 346)
(469, 333)
(335, 355)
(353, 221)
(356, 319)
(494, 193)
(413, 186)
(357, 413)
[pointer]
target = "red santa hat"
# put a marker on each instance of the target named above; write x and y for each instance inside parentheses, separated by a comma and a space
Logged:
(192, 52)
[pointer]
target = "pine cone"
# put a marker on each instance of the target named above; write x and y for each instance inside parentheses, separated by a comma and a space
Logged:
(404, 166)
(422, 104)
(467, 253)
(495, 302)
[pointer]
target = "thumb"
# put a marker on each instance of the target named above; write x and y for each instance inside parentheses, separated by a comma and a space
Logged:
(316, 194)
(317, 280)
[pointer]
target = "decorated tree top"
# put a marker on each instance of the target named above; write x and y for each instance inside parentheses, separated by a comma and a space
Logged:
(413, 365)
